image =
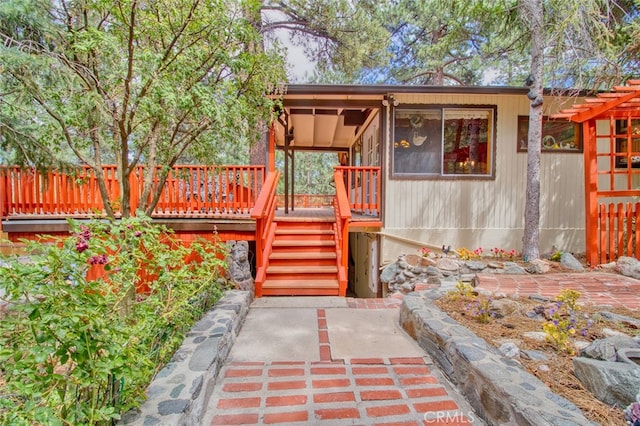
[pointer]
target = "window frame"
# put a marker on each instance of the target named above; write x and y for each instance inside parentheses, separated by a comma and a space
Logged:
(491, 151)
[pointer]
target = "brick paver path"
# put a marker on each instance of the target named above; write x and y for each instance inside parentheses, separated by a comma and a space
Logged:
(597, 288)
(372, 391)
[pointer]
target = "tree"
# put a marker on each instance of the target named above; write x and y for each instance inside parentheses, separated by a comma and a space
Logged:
(338, 35)
(130, 82)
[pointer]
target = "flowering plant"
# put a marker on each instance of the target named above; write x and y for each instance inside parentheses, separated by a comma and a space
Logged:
(632, 412)
(504, 254)
(425, 252)
(564, 322)
(481, 310)
(466, 254)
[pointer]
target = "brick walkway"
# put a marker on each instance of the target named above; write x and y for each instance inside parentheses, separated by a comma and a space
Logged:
(597, 288)
(371, 391)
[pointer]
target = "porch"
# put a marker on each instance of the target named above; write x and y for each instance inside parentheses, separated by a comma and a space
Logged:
(226, 202)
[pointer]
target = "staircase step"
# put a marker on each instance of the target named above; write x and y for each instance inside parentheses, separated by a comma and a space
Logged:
(306, 269)
(304, 243)
(296, 255)
(296, 231)
(300, 287)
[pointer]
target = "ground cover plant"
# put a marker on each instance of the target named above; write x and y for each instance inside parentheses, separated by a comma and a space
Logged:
(82, 351)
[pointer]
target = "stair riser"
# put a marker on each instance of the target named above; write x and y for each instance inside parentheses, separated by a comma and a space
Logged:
(304, 226)
(302, 262)
(300, 292)
(298, 237)
(302, 277)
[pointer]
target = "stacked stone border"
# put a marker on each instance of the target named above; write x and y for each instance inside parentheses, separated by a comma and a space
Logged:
(179, 393)
(499, 389)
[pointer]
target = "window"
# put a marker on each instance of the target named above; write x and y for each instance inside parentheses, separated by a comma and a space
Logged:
(443, 141)
(627, 143)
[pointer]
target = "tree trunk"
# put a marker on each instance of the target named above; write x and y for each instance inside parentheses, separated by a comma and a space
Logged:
(532, 11)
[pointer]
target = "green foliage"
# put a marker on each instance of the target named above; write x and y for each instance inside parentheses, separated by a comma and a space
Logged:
(128, 83)
(462, 290)
(313, 172)
(480, 310)
(78, 351)
(564, 321)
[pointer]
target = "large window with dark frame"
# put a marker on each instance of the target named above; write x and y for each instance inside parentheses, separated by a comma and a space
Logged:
(433, 141)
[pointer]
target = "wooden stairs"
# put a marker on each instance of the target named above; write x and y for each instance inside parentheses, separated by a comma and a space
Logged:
(303, 259)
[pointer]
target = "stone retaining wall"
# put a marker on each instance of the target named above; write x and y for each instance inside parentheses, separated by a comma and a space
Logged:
(499, 389)
(181, 389)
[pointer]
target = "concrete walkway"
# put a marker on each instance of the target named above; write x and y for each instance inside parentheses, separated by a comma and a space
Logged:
(334, 361)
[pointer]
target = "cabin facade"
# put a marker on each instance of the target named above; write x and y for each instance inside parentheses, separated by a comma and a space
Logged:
(420, 166)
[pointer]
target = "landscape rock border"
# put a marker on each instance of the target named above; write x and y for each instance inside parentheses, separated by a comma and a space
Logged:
(498, 388)
(179, 393)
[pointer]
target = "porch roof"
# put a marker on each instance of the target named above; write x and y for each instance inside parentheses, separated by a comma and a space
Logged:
(331, 117)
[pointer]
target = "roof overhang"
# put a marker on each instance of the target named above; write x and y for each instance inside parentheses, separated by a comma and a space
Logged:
(621, 101)
(332, 117)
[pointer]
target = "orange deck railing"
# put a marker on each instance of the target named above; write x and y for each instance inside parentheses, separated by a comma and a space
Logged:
(264, 212)
(201, 191)
(362, 185)
(343, 217)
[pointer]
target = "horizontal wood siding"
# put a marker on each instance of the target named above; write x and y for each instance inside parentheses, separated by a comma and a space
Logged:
(487, 213)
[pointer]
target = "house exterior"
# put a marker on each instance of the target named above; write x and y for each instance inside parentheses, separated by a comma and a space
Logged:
(453, 167)
(420, 166)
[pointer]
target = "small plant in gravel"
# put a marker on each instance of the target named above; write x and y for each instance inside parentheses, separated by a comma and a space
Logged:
(564, 321)
(81, 351)
(466, 254)
(462, 290)
(499, 253)
(480, 310)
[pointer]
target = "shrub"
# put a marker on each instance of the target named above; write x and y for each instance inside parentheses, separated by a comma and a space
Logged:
(82, 351)
(480, 310)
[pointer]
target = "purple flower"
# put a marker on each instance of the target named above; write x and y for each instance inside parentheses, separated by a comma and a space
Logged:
(98, 259)
(137, 233)
(555, 322)
(81, 245)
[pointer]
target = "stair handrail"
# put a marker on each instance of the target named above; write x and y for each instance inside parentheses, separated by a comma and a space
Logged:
(343, 217)
(264, 212)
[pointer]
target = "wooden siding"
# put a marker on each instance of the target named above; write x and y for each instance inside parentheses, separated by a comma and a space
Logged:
(486, 213)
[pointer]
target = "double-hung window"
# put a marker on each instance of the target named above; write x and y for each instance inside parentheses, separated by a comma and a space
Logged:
(443, 141)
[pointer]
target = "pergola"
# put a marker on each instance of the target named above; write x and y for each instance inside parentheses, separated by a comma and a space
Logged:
(611, 133)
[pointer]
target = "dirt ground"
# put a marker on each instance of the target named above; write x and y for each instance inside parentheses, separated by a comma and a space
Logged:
(557, 372)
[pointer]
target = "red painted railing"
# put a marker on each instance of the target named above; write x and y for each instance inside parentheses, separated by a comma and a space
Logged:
(264, 212)
(200, 191)
(343, 217)
(362, 185)
(618, 231)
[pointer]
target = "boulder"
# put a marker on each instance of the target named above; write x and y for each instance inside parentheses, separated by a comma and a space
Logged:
(606, 349)
(389, 273)
(567, 260)
(538, 266)
(504, 307)
(614, 383)
(446, 264)
(239, 268)
(628, 266)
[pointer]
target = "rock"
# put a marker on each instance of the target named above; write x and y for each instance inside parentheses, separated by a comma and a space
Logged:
(475, 265)
(538, 266)
(510, 350)
(514, 269)
(413, 260)
(614, 383)
(581, 344)
(534, 355)
(447, 265)
(239, 268)
(628, 321)
(467, 278)
(629, 355)
(567, 260)
(406, 287)
(628, 266)
(388, 273)
(613, 333)
(539, 336)
(539, 298)
(504, 307)
(495, 265)
(544, 368)
(606, 349)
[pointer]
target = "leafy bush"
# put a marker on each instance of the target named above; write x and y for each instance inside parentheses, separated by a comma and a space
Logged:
(82, 351)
